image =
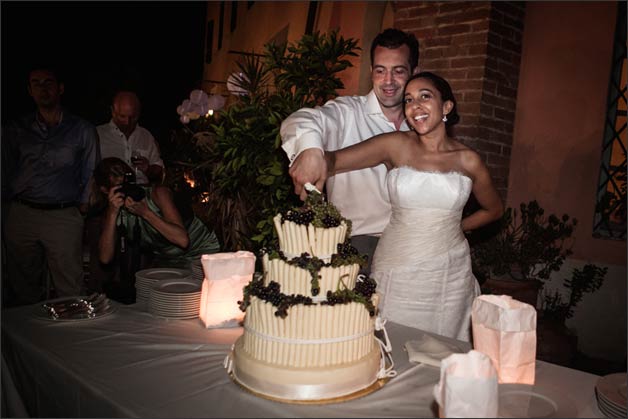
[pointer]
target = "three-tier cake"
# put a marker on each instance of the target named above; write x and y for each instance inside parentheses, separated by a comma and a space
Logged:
(310, 319)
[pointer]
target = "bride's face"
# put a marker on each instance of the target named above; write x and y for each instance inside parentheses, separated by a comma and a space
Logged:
(424, 106)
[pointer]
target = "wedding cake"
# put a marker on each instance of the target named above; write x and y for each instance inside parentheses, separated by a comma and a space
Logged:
(310, 319)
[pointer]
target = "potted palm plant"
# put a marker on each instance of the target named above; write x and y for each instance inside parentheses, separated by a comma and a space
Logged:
(239, 163)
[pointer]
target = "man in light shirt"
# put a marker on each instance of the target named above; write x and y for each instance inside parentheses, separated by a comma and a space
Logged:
(122, 137)
(360, 195)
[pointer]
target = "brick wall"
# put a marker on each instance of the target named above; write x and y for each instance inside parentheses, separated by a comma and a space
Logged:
(476, 46)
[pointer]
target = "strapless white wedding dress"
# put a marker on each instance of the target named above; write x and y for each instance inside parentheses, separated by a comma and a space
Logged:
(422, 263)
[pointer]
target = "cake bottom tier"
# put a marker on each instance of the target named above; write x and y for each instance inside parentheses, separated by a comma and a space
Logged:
(303, 384)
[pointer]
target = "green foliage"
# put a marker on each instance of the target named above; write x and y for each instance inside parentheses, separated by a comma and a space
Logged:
(304, 69)
(242, 168)
(586, 280)
(527, 246)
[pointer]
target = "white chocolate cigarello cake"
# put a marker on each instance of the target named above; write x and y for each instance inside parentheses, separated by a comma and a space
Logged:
(309, 319)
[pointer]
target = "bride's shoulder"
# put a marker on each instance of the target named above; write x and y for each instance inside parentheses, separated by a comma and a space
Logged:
(471, 160)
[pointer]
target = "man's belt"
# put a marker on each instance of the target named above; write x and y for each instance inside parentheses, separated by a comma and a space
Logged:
(44, 206)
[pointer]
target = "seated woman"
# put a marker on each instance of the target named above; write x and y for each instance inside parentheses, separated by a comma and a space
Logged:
(152, 221)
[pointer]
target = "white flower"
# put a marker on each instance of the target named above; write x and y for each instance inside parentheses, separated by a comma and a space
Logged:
(199, 97)
(199, 104)
(216, 102)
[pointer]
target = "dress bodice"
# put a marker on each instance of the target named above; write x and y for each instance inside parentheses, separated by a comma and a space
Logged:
(426, 214)
(410, 188)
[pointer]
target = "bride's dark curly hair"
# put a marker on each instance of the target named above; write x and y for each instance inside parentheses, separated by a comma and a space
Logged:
(445, 92)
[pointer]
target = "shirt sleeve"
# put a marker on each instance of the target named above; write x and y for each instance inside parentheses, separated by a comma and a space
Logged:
(91, 157)
(311, 128)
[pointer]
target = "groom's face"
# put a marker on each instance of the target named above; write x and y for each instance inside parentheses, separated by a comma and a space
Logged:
(389, 73)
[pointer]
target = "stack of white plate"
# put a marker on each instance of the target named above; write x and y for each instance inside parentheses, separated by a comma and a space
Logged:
(197, 270)
(175, 298)
(611, 395)
(145, 279)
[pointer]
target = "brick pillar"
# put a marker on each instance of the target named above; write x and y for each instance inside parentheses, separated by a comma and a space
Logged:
(476, 46)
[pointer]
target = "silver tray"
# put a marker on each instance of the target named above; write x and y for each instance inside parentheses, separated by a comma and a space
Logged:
(101, 310)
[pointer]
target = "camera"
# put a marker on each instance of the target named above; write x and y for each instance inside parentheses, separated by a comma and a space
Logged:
(132, 189)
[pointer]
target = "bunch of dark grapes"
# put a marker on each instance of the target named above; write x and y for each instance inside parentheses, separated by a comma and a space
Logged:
(288, 301)
(272, 294)
(346, 249)
(302, 261)
(347, 255)
(311, 264)
(345, 296)
(304, 217)
(338, 297)
(330, 221)
(255, 287)
(365, 287)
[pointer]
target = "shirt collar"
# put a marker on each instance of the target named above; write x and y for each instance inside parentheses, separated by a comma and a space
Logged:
(115, 127)
(374, 108)
(42, 123)
(372, 104)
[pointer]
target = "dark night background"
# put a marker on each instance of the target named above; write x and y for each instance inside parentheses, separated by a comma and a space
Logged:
(152, 47)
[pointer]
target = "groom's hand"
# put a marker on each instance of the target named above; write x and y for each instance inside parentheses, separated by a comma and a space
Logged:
(310, 166)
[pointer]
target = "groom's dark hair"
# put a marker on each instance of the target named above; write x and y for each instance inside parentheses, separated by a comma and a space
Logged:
(394, 38)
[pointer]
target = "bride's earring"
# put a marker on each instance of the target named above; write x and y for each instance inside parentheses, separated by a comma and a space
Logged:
(444, 118)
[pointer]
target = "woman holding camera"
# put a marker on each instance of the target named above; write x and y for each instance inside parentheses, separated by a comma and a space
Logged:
(150, 221)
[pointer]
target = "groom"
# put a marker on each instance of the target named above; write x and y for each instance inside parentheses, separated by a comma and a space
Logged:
(361, 195)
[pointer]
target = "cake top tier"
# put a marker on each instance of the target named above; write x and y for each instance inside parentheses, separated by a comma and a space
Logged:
(315, 228)
(317, 212)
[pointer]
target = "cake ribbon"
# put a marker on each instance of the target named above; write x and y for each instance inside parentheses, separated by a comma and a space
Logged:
(307, 341)
(227, 363)
(386, 350)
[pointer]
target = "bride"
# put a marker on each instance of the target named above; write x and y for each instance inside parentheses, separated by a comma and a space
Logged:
(422, 263)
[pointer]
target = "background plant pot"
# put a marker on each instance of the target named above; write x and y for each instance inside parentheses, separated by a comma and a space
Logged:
(524, 291)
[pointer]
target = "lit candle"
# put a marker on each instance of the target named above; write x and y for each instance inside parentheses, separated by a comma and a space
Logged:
(226, 274)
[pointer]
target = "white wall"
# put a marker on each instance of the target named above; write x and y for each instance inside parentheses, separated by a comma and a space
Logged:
(600, 318)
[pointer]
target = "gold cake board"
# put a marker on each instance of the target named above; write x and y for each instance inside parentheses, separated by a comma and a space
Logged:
(355, 395)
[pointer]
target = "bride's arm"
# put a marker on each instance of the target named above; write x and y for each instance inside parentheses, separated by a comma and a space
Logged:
(372, 152)
(487, 196)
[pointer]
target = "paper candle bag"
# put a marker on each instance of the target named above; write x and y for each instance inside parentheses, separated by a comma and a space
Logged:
(225, 276)
(468, 387)
(505, 330)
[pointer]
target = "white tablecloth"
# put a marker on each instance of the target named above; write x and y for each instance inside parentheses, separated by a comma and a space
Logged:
(131, 364)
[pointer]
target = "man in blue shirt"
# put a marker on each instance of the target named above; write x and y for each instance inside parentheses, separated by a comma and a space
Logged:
(47, 161)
